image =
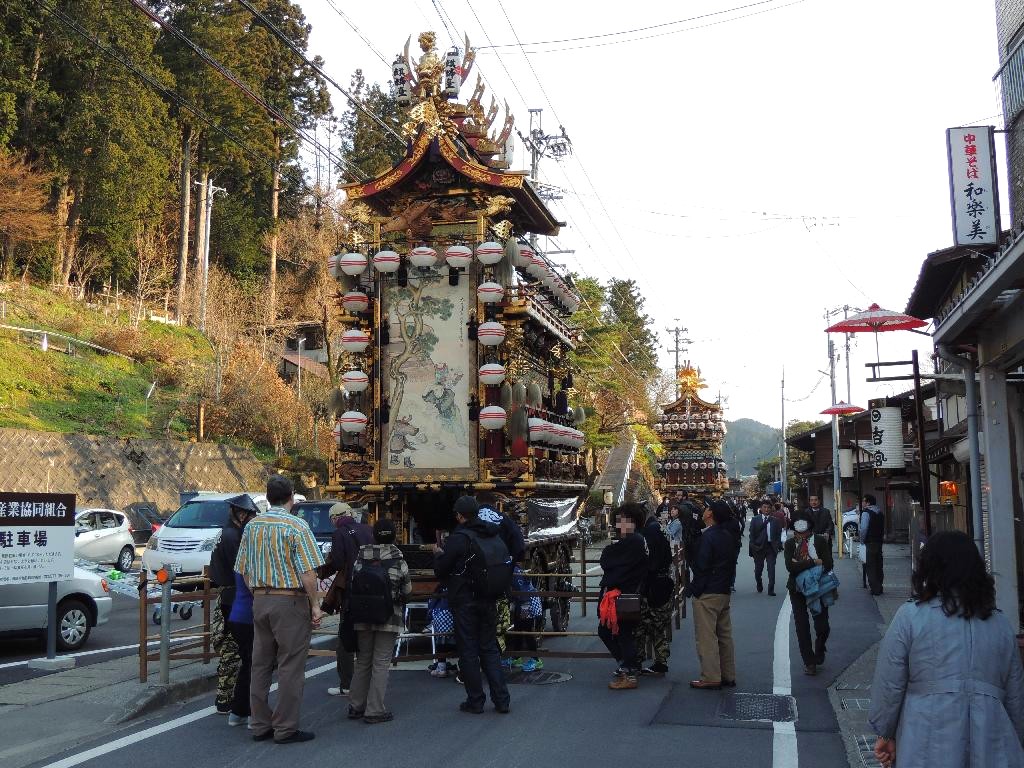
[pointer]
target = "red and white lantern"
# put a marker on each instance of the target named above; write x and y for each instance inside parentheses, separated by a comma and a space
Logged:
(492, 374)
(353, 421)
(354, 340)
(423, 256)
(524, 257)
(332, 264)
(491, 333)
(538, 430)
(490, 293)
(387, 261)
(458, 256)
(355, 302)
(489, 253)
(352, 263)
(492, 417)
(355, 381)
(336, 430)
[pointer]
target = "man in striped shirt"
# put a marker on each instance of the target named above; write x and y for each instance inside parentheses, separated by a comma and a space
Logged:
(278, 557)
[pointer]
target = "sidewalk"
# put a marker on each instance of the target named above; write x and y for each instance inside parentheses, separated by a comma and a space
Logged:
(851, 693)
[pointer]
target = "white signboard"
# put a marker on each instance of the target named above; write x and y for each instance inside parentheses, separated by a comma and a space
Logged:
(37, 537)
(887, 438)
(973, 187)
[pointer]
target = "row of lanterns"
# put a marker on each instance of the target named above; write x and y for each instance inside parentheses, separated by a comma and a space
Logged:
(669, 465)
(696, 415)
(387, 261)
(542, 431)
(537, 267)
(676, 426)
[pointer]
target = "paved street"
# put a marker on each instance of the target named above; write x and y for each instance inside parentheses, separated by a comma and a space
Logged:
(579, 722)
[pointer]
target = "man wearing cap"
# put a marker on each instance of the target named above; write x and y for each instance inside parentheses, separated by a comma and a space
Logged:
(241, 509)
(349, 535)
(278, 558)
(476, 618)
(803, 551)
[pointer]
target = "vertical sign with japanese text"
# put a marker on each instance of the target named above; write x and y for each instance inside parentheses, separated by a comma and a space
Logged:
(37, 537)
(973, 185)
(887, 438)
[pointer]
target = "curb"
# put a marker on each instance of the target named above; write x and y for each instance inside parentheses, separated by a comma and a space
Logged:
(159, 696)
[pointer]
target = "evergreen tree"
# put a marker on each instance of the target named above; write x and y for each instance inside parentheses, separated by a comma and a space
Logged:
(366, 146)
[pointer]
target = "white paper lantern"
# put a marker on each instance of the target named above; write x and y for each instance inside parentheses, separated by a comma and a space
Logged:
(332, 264)
(355, 301)
(537, 267)
(353, 421)
(703, 465)
(887, 434)
(492, 374)
(693, 425)
(354, 340)
(658, 466)
(524, 257)
(336, 430)
(685, 465)
(387, 261)
(355, 381)
(492, 417)
(700, 425)
(423, 256)
(458, 256)
(659, 427)
(675, 465)
(490, 253)
(352, 263)
(538, 433)
(490, 293)
(491, 333)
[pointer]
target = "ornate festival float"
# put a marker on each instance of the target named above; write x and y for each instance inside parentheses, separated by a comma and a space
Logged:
(692, 431)
(456, 354)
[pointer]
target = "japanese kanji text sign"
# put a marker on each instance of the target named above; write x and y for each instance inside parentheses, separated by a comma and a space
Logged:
(887, 438)
(973, 185)
(37, 537)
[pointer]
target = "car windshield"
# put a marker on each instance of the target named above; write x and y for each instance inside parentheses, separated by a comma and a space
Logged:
(200, 514)
(318, 517)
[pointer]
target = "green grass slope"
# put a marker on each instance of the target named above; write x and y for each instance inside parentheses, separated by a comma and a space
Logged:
(85, 390)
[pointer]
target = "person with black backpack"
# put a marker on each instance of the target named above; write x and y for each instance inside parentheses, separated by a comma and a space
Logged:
(377, 592)
(476, 567)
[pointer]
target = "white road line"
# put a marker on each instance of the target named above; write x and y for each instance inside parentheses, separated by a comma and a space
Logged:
(784, 743)
(156, 730)
(102, 650)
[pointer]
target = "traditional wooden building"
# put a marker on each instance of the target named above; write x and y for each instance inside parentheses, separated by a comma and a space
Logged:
(692, 431)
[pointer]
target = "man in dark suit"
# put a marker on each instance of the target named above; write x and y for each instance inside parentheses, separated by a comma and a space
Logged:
(765, 545)
(821, 519)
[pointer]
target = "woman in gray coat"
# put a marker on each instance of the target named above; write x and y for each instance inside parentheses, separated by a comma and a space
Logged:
(949, 688)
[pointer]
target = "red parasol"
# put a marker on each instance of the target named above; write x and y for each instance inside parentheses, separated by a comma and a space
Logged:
(875, 319)
(842, 409)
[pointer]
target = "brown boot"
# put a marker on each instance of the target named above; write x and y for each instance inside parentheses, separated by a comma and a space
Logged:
(623, 683)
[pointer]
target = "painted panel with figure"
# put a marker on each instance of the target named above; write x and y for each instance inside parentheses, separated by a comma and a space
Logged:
(428, 373)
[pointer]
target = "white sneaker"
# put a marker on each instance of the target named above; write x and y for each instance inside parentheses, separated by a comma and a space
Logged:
(337, 691)
(234, 719)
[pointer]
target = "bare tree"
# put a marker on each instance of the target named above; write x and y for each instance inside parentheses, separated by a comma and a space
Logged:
(154, 269)
(24, 218)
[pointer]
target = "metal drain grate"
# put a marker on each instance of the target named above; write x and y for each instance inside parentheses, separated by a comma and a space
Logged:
(759, 707)
(861, 704)
(537, 678)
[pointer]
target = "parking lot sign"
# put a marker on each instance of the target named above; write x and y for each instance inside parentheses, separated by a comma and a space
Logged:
(37, 537)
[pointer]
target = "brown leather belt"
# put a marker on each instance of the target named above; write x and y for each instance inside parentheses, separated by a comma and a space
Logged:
(273, 591)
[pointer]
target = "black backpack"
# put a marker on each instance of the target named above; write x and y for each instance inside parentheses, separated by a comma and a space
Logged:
(488, 567)
(370, 595)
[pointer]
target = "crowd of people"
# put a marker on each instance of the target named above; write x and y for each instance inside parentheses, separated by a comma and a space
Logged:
(947, 652)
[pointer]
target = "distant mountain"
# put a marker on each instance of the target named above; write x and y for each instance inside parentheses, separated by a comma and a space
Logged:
(748, 442)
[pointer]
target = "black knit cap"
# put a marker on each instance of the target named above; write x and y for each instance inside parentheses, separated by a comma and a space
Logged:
(467, 507)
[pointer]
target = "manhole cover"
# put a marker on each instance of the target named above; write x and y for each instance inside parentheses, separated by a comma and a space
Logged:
(761, 707)
(537, 678)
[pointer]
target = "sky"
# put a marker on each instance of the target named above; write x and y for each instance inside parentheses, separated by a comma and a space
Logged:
(751, 168)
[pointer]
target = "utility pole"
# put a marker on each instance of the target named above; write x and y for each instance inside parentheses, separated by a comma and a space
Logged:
(210, 192)
(557, 146)
(783, 462)
(680, 342)
(837, 491)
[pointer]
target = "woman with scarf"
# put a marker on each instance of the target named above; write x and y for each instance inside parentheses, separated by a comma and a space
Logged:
(804, 551)
(624, 564)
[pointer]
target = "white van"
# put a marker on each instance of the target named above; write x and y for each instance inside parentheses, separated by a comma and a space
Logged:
(187, 540)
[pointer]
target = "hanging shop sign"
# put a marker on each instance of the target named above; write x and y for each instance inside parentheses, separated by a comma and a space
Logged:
(887, 438)
(973, 185)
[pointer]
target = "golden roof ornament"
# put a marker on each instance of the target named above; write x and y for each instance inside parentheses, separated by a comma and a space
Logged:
(690, 381)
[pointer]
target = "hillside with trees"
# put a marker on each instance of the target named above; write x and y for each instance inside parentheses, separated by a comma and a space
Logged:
(748, 442)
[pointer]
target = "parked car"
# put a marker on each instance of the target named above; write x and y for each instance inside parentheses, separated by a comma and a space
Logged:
(144, 519)
(851, 522)
(317, 515)
(104, 536)
(187, 540)
(83, 602)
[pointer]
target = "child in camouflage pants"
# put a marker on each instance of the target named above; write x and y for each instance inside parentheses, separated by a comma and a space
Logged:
(229, 662)
(655, 632)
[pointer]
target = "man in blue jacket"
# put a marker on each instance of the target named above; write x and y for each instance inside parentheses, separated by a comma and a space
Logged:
(711, 589)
